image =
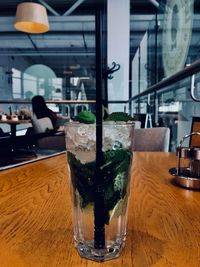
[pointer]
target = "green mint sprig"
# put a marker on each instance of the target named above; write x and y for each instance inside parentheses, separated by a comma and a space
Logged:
(119, 116)
(86, 117)
(115, 173)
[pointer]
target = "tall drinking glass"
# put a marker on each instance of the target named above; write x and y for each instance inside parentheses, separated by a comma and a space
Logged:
(115, 173)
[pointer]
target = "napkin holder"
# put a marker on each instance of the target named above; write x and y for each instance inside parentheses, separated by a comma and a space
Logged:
(187, 171)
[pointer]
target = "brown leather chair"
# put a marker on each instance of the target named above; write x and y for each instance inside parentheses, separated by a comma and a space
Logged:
(151, 139)
(45, 135)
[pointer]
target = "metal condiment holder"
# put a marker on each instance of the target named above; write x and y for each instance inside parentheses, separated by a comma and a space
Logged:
(187, 171)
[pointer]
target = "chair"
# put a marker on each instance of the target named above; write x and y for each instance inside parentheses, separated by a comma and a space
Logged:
(195, 139)
(151, 139)
(137, 124)
(52, 141)
(42, 125)
(45, 136)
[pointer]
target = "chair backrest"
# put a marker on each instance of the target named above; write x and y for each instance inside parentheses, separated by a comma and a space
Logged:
(137, 124)
(51, 140)
(151, 139)
(195, 139)
(41, 125)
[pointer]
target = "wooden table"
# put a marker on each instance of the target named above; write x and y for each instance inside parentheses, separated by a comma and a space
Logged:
(13, 124)
(36, 226)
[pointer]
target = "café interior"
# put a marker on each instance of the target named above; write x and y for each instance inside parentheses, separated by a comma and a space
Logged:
(143, 55)
(60, 65)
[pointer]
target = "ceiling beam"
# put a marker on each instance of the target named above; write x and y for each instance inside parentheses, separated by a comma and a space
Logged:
(40, 53)
(7, 22)
(73, 7)
(7, 34)
(68, 22)
(49, 7)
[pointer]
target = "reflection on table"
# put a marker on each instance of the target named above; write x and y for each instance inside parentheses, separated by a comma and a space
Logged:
(36, 224)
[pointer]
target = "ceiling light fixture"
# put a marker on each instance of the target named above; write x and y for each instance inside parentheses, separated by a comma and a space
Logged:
(31, 18)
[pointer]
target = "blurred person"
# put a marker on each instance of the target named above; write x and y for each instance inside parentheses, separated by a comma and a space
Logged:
(40, 110)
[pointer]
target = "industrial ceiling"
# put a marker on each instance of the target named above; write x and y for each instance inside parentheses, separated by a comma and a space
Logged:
(69, 46)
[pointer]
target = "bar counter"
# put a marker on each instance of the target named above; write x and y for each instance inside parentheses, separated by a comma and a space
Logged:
(36, 224)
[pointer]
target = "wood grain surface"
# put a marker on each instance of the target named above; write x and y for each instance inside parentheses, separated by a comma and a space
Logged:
(36, 226)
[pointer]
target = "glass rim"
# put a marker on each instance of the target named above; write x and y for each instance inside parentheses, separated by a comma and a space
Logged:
(104, 123)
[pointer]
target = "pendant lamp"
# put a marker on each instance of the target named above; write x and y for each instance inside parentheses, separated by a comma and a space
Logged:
(31, 18)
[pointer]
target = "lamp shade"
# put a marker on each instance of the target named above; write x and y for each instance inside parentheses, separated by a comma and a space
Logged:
(31, 18)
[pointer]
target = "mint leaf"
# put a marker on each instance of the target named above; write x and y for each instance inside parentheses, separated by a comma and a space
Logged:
(115, 174)
(86, 117)
(119, 116)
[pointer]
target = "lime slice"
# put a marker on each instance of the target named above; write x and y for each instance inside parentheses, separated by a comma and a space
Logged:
(119, 208)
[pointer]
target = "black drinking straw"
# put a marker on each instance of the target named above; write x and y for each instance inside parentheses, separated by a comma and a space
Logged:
(99, 227)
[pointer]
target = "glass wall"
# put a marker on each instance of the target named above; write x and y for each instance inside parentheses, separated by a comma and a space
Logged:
(168, 47)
